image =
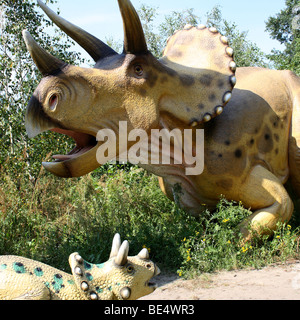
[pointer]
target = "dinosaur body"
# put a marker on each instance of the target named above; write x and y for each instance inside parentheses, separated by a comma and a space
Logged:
(120, 278)
(250, 149)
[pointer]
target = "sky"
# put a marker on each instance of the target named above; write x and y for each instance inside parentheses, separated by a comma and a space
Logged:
(102, 17)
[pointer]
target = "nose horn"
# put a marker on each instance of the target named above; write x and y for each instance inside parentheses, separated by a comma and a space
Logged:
(144, 254)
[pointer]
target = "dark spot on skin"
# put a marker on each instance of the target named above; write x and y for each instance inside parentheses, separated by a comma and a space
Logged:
(206, 80)
(187, 80)
(225, 184)
(276, 151)
(276, 137)
(201, 106)
(238, 153)
(220, 84)
(38, 272)
(227, 142)
(19, 267)
(143, 92)
(162, 67)
(212, 97)
(188, 109)
(87, 265)
(58, 276)
(220, 155)
(265, 142)
(89, 276)
(251, 143)
(151, 78)
(229, 163)
(274, 119)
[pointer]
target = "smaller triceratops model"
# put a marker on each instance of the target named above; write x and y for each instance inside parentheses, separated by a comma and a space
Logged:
(119, 278)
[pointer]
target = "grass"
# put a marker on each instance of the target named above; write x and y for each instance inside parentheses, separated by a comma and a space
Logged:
(49, 219)
(219, 246)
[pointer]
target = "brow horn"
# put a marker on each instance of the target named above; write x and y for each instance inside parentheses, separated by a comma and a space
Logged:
(92, 45)
(46, 63)
(122, 255)
(134, 38)
(116, 244)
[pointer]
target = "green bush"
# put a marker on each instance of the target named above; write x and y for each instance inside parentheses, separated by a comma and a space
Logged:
(220, 245)
(50, 218)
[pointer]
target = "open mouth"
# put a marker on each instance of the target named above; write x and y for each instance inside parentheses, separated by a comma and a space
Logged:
(153, 285)
(81, 160)
(84, 143)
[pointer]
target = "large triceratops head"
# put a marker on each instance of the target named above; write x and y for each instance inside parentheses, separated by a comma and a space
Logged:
(190, 85)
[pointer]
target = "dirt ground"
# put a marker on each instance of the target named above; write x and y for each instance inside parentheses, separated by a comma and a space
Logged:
(276, 282)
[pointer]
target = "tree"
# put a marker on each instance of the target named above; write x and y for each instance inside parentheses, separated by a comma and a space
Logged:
(285, 27)
(156, 36)
(247, 53)
(18, 79)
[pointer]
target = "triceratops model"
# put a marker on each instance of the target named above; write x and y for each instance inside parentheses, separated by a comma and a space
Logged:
(250, 149)
(120, 278)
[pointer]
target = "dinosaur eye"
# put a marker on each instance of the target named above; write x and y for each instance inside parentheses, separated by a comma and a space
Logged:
(130, 269)
(53, 100)
(138, 69)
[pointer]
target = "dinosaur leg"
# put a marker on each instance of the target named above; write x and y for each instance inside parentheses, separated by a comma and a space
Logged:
(264, 193)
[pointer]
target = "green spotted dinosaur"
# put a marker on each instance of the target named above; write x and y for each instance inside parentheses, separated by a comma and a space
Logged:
(250, 116)
(120, 278)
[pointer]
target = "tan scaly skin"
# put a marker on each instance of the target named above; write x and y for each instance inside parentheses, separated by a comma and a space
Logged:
(119, 278)
(251, 149)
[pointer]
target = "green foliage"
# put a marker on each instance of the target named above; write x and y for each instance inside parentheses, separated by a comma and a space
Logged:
(285, 27)
(219, 245)
(247, 53)
(51, 218)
